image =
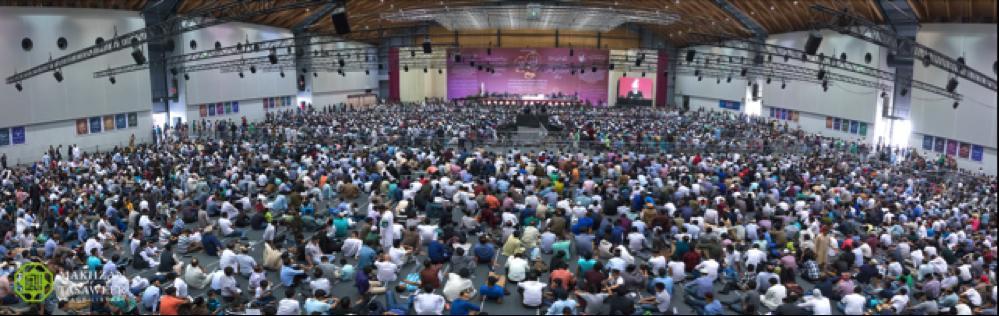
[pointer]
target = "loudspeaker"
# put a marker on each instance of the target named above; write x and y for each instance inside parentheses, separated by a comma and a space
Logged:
(743, 72)
(812, 45)
(138, 57)
(756, 92)
(272, 58)
(427, 48)
(951, 85)
(340, 23)
(58, 75)
(690, 55)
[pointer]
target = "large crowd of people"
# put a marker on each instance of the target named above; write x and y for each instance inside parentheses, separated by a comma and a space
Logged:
(632, 211)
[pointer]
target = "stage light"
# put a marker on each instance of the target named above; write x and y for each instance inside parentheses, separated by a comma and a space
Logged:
(282, 73)
(610, 67)
(951, 85)
(18, 86)
(594, 69)
(138, 57)
(643, 74)
(743, 72)
(729, 79)
(904, 92)
(253, 69)
(956, 104)
(768, 80)
(405, 68)
(186, 77)
(241, 74)
(367, 72)
(315, 74)
(822, 74)
(58, 75)
(783, 85)
(112, 80)
(424, 69)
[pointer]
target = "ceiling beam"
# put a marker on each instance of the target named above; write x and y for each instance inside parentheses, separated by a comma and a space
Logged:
(754, 27)
(324, 11)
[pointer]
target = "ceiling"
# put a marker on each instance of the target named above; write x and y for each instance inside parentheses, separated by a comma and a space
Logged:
(701, 16)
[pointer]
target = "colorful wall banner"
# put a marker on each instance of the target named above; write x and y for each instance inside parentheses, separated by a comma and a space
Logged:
(964, 150)
(81, 127)
(133, 119)
(951, 147)
(120, 121)
(95, 124)
(927, 142)
(977, 153)
(939, 144)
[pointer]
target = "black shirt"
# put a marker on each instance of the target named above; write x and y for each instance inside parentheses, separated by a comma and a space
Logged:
(621, 305)
(791, 309)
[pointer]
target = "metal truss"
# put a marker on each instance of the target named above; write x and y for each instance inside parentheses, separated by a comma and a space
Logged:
(733, 65)
(234, 10)
(861, 28)
(786, 53)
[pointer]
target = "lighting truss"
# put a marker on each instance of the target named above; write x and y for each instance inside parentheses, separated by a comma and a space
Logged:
(531, 16)
(861, 28)
(778, 52)
(234, 10)
(721, 66)
(280, 46)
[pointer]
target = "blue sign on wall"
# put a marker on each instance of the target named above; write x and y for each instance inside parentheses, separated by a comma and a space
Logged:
(730, 105)
(17, 135)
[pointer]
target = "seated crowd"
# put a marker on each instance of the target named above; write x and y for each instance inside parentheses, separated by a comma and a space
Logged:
(635, 211)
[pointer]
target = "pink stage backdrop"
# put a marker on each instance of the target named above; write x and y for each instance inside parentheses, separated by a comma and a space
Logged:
(529, 71)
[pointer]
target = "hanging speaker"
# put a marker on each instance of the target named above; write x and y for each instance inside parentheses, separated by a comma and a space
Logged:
(951, 85)
(272, 57)
(340, 23)
(427, 47)
(868, 58)
(756, 92)
(58, 75)
(138, 57)
(743, 72)
(690, 55)
(813, 42)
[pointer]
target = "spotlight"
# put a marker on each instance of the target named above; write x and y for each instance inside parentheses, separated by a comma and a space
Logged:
(315, 74)
(18, 86)
(783, 85)
(638, 62)
(138, 57)
(272, 57)
(951, 85)
(241, 74)
(610, 67)
(187, 77)
(624, 75)
(643, 74)
(412, 53)
(367, 72)
(427, 47)
(729, 79)
(253, 69)
(405, 68)
(112, 80)
(58, 75)
(825, 85)
(822, 74)
(956, 104)
(904, 92)
(768, 80)
(282, 73)
(743, 72)
(173, 71)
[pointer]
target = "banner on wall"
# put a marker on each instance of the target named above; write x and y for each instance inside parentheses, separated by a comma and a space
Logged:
(854, 127)
(863, 129)
(219, 108)
(95, 124)
(836, 123)
(109, 122)
(235, 106)
(133, 119)
(951, 147)
(203, 110)
(730, 105)
(228, 107)
(939, 144)
(829, 122)
(977, 153)
(846, 126)
(81, 127)
(211, 109)
(964, 151)
(927, 142)
(17, 135)
(120, 121)
(4, 136)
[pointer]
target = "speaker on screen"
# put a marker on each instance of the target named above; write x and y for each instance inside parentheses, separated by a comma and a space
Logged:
(812, 45)
(340, 23)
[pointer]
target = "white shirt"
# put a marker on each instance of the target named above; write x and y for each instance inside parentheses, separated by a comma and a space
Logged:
(321, 284)
(532, 292)
(288, 306)
(225, 226)
(853, 304)
(516, 269)
(181, 287)
(973, 296)
(678, 270)
(428, 304)
(899, 302)
(709, 267)
(228, 259)
(386, 271)
(820, 306)
(755, 257)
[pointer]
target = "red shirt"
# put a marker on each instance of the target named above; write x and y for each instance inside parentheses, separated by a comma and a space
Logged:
(564, 275)
(170, 304)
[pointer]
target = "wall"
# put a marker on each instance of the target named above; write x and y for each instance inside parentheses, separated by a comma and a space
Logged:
(215, 86)
(974, 121)
(330, 88)
(415, 85)
(48, 109)
(707, 92)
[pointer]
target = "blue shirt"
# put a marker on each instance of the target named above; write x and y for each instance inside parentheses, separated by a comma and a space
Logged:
(462, 307)
(485, 252)
(703, 285)
(491, 292)
(714, 308)
(667, 281)
(365, 257)
(92, 263)
(151, 297)
(435, 250)
(312, 305)
(288, 275)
